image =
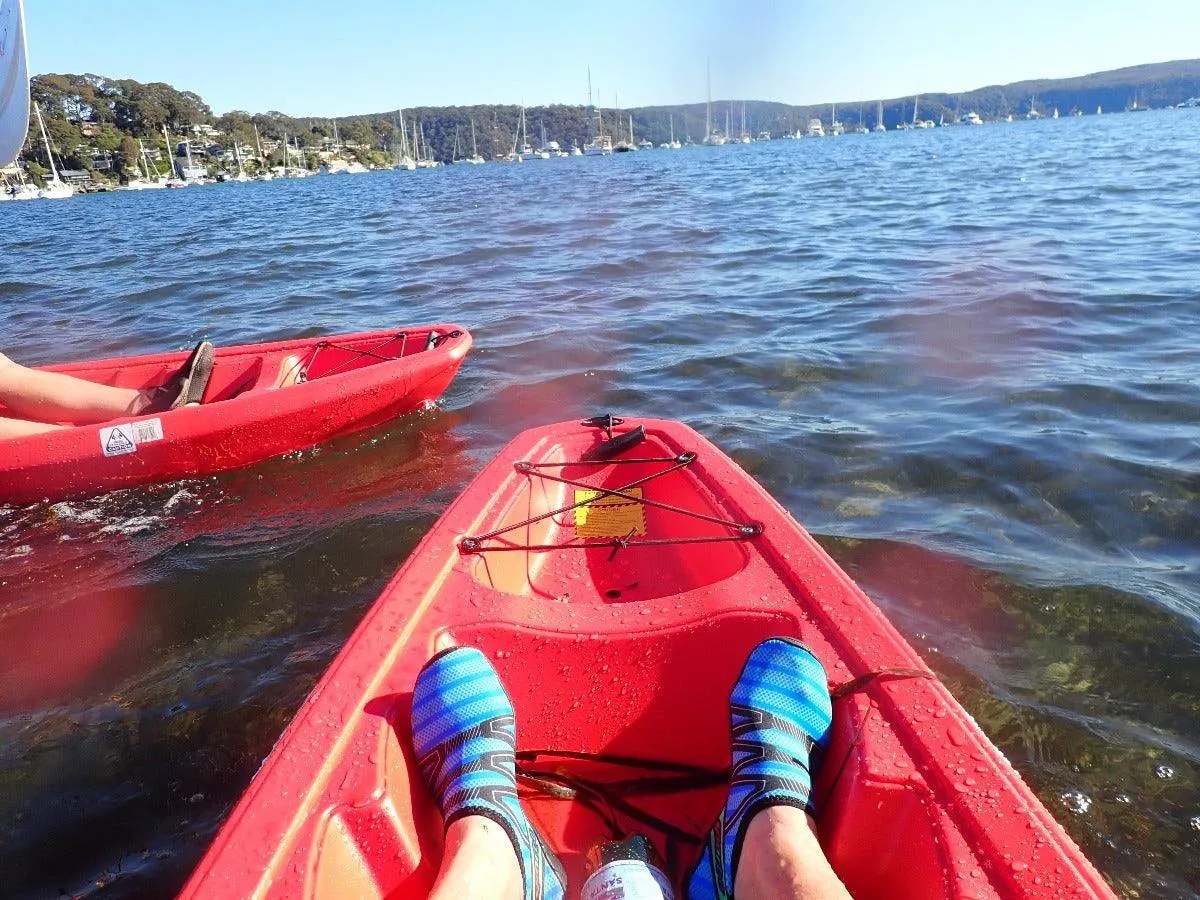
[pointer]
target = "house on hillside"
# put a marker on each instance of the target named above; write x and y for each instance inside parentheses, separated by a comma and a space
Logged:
(102, 161)
(80, 179)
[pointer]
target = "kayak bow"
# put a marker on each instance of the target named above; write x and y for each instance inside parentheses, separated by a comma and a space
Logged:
(618, 583)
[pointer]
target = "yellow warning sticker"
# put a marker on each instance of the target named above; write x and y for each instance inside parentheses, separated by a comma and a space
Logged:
(606, 515)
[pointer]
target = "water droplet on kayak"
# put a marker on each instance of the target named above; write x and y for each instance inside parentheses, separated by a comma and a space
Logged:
(1019, 866)
(1164, 771)
(1123, 798)
(1194, 821)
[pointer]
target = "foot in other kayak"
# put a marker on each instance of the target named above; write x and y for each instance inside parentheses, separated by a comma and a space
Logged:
(465, 738)
(186, 387)
(780, 712)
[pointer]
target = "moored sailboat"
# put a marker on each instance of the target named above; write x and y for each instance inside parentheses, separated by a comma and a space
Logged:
(474, 159)
(710, 136)
(151, 181)
(55, 188)
(264, 171)
(672, 144)
(835, 127)
(402, 155)
(600, 144)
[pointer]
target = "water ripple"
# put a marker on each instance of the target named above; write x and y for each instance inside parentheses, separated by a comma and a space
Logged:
(967, 358)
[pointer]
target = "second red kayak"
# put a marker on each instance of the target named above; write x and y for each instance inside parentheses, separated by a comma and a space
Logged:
(617, 576)
(262, 400)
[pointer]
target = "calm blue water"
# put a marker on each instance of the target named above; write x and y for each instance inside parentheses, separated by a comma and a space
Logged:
(969, 360)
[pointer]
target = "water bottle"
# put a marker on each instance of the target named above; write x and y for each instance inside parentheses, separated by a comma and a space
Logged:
(629, 869)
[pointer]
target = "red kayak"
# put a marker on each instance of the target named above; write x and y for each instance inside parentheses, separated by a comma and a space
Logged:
(262, 400)
(618, 576)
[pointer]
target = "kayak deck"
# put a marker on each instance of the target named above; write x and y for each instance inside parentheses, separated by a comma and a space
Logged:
(262, 400)
(619, 625)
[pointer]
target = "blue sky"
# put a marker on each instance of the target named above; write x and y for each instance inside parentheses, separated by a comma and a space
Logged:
(316, 57)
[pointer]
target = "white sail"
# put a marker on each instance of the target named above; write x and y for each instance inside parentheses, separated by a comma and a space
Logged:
(14, 81)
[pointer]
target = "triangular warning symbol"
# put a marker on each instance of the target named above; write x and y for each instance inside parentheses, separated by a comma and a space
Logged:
(118, 443)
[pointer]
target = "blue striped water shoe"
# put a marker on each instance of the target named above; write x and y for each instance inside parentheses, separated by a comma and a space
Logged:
(780, 712)
(465, 737)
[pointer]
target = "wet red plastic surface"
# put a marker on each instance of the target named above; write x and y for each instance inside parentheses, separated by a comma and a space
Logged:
(634, 653)
(251, 412)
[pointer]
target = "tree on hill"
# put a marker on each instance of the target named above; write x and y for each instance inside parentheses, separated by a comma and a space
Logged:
(128, 153)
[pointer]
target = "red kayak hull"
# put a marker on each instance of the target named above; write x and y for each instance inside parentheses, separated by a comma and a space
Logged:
(627, 644)
(253, 409)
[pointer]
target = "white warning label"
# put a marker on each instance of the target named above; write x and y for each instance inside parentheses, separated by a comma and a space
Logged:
(147, 430)
(117, 439)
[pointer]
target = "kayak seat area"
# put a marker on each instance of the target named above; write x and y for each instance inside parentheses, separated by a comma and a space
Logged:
(239, 376)
(236, 374)
(663, 694)
(630, 574)
(660, 694)
(236, 378)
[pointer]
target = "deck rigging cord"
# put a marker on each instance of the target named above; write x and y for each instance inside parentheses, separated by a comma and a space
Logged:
(434, 339)
(604, 455)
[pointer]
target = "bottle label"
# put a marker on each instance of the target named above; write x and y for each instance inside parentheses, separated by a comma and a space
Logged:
(627, 879)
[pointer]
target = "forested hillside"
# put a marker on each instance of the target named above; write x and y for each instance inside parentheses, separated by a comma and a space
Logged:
(90, 116)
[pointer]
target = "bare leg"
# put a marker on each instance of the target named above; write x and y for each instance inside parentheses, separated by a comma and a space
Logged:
(54, 397)
(782, 860)
(17, 428)
(480, 861)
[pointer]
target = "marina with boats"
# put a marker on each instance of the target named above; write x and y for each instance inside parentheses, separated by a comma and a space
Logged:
(192, 160)
(242, 149)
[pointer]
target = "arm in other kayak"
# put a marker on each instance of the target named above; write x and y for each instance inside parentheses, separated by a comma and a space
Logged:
(35, 401)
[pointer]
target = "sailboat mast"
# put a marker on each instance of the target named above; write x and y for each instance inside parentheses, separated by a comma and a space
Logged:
(46, 140)
(590, 117)
(170, 165)
(708, 104)
(474, 150)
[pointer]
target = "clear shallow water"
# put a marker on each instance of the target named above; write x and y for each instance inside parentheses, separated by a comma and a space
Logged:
(966, 359)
